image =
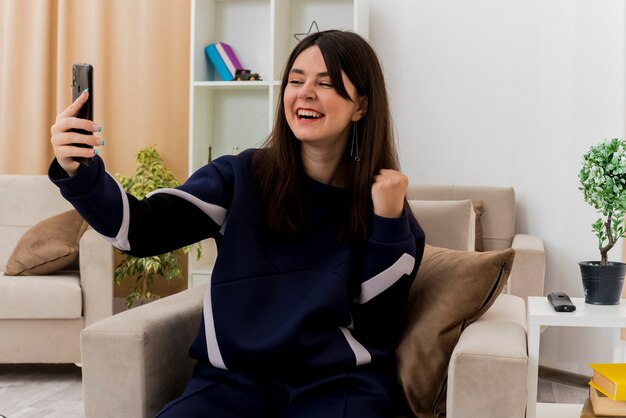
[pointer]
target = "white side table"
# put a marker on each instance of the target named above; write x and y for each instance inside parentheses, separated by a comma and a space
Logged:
(540, 312)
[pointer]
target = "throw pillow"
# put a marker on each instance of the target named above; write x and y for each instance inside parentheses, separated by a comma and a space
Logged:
(452, 289)
(48, 246)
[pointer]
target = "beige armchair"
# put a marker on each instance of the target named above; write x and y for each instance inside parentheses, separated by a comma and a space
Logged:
(497, 222)
(41, 316)
(136, 361)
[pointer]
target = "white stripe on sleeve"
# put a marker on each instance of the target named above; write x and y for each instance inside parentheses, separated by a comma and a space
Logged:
(121, 239)
(215, 212)
(385, 279)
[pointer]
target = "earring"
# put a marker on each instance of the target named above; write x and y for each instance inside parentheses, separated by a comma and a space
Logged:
(354, 147)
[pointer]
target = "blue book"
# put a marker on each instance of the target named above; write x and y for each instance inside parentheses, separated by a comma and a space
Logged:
(218, 62)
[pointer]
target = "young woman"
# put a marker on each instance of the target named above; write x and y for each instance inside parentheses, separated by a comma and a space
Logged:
(317, 248)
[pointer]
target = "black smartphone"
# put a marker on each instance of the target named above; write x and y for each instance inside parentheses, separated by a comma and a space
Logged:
(82, 78)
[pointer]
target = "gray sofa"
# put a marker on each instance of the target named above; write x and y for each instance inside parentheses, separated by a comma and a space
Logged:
(136, 361)
(41, 316)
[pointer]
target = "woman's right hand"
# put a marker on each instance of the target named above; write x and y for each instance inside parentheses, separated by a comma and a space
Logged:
(63, 139)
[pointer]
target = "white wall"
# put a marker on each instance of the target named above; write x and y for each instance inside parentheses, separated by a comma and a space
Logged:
(512, 92)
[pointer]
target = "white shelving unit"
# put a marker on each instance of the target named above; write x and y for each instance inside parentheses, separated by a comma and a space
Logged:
(234, 115)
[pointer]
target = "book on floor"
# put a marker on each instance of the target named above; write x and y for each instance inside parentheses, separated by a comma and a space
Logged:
(603, 406)
(610, 379)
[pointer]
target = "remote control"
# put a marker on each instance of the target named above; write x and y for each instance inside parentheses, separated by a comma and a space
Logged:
(561, 302)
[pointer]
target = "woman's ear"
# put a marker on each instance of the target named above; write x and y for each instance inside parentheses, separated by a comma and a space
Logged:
(361, 109)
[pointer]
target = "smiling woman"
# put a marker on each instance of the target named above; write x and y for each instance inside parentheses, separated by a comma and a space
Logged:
(308, 324)
(316, 113)
(333, 90)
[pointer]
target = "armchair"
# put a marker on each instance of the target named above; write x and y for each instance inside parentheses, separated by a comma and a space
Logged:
(136, 361)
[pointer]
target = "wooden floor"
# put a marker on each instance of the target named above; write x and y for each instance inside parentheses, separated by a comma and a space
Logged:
(41, 391)
(54, 391)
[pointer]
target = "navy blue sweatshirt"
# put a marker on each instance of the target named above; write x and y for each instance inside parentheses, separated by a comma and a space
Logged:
(278, 305)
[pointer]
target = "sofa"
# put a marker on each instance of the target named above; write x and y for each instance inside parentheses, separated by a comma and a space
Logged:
(136, 361)
(63, 285)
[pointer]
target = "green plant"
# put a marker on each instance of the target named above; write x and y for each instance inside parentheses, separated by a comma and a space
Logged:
(603, 183)
(151, 174)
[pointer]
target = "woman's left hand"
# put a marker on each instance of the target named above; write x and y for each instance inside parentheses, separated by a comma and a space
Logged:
(388, 193)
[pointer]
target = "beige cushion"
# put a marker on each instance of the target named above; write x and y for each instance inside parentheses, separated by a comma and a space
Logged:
(498, 218)
(447, 223)
(38, 297)
(452, 289)
(48, 246)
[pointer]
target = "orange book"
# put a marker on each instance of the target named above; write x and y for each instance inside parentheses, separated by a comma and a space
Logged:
(588, 412)
(603, 406)
(610, 379)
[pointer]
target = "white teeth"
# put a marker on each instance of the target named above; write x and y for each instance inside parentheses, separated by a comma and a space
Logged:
(309, 114)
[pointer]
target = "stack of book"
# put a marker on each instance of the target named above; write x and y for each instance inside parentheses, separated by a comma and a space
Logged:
(224, 59)
(607, 391)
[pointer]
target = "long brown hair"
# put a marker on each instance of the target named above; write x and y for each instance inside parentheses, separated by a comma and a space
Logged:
(278, 169)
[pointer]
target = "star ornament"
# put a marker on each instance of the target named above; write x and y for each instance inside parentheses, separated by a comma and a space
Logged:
(301, 36)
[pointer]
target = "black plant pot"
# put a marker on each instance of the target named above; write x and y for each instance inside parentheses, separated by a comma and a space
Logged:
(602, 284)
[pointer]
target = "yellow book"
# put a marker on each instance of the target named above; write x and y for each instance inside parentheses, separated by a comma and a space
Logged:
(610, 379)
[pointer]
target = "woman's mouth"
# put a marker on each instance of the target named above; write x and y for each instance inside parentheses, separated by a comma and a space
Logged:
(307, 114)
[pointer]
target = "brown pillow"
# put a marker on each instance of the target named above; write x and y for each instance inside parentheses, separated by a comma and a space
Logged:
(478, 229)
(452, 289)
(48, 246)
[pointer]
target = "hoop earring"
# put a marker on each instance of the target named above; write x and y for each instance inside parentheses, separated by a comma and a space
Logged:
(354, 146)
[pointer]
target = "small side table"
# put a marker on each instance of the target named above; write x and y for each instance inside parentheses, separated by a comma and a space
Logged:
(540, 312)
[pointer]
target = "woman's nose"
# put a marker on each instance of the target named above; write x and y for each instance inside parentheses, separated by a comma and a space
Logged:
(306, 92)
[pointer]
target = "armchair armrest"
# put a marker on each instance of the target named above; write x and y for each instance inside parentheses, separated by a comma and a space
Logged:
(136, 360)
(487, 373)
(529, 268)
(96, 276)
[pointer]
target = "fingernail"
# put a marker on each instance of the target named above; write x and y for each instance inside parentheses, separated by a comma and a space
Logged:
(102, 143)
(85, 91)
(96, 151)
(96, 128)
(100, 128)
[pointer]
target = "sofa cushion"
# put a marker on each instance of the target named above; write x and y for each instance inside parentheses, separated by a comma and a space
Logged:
(446, 223)
(452, 289)
(41, 297)
(48, 246)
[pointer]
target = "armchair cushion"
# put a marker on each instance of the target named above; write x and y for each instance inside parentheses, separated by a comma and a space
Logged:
(446, 223)
(452, 289)
(48, 246)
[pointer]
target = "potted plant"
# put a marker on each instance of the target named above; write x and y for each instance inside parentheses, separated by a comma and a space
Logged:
(151, 174)
(603, 183)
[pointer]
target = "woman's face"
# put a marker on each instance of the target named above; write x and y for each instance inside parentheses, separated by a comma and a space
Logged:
(316, 114)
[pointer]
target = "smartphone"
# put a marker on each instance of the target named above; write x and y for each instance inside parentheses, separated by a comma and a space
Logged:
(82, 78)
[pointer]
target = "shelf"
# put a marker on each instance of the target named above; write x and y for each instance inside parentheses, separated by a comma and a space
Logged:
(234, 84)
(230, 116)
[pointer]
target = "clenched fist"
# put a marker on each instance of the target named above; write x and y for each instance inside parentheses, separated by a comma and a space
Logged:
(388, 193)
